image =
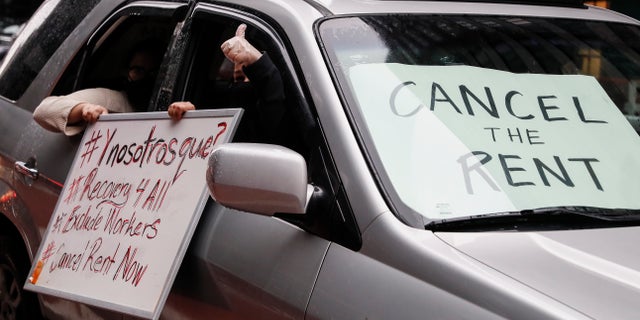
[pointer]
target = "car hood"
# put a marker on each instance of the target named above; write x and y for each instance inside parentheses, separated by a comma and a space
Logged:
(594, 271)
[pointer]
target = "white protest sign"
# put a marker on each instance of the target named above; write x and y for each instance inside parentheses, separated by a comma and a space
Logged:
(460, 140)
(128, 209)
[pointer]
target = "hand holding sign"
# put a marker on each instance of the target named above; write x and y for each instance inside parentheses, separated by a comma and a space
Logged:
(177, 109)
(87, 112)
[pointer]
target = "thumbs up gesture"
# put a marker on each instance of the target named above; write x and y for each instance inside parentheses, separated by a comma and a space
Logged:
(239, 50)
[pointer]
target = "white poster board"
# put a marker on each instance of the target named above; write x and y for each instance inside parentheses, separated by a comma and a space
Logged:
(128, 209)
(461, 140)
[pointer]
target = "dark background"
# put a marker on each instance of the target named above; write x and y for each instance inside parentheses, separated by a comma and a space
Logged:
(628, 7)
(18, 9)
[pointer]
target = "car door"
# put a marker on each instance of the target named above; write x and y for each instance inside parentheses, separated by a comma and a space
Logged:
(41, 159)
(242, 264)
(32, 160)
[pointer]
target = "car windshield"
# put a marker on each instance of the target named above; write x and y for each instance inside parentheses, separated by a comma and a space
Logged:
(471, 115)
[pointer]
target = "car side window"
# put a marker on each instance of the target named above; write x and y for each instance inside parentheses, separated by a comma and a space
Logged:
(209, 81)
(104, 61)
(261, 92)
(35, 48)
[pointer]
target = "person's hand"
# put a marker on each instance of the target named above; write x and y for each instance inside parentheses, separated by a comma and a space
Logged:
(239, 50)
(177, 109)
(87, 112)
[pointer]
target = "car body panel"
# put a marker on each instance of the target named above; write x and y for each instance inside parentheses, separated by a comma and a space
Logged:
(237, 262)
(599, 260)
(524, 8)
(245, 265)
(451, 275)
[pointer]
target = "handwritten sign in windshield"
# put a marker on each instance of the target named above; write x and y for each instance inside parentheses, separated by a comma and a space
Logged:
(460, 140)
(128, 209)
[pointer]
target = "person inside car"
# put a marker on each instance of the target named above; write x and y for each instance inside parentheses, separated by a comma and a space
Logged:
(257, 87)
(71, 113)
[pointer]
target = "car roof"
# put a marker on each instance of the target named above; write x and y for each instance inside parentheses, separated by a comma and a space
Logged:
(560, 3)
(575, 9)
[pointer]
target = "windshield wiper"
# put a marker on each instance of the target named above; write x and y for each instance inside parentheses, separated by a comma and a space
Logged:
(550, 218)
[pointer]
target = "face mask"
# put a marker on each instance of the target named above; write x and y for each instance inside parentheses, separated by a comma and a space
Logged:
(139, 93)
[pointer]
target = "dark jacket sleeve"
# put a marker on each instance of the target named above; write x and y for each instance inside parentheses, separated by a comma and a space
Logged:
(270, 108)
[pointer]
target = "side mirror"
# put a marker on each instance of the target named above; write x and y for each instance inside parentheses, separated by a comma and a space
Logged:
(258, 178)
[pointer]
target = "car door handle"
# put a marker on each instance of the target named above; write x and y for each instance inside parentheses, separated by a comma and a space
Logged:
(24, 169)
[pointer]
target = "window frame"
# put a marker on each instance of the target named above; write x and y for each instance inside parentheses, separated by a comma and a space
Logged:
(329, 214)
(82, 61)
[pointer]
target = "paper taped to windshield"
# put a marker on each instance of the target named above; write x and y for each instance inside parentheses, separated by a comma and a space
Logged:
(459, 140)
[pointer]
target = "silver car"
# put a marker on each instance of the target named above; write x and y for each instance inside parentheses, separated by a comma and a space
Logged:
(435, 159)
